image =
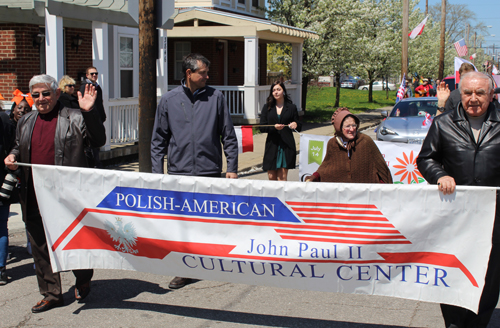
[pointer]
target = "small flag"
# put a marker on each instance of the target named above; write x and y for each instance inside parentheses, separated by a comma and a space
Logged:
(427, 121)
(458, 62)
(244, 134)
(472, 56)
(495, 70)
(419, 29)
(401, 90)
(461, 47)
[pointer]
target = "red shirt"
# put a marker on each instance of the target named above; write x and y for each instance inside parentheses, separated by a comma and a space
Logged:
(424, 89)
(42, 139)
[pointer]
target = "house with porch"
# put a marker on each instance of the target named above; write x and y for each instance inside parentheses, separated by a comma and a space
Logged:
(233, 35)
(64, 37)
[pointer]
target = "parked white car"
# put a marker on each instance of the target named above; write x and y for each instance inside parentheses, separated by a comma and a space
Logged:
(377, 85)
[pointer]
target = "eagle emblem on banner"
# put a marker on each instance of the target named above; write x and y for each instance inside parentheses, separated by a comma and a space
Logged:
(123, 234)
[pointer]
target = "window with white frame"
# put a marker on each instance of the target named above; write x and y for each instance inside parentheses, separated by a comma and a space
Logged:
(126, 67)
(255, 3)
(182, 49)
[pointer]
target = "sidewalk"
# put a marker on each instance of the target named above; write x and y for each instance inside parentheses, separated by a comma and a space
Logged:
(247, 162)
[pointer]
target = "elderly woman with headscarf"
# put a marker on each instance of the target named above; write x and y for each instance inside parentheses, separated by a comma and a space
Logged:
(351, 157)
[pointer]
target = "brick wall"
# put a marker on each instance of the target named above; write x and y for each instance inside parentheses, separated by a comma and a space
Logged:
(77, 61)
(19, 60)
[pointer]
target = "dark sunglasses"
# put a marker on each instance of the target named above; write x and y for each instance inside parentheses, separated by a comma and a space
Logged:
(45, 94)
(94, 73)
(70, 85)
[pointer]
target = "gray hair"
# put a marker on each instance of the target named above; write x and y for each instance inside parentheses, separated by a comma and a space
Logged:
(43, 79)
(477, 75)
(191, 62)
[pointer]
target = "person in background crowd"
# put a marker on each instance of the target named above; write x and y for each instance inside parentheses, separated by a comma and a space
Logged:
(280, 152)
(454, 99)
(4, 203)
(52, 135)
(21, 105)
(462, 148)
(194, 144)
(67, 86)
(423, 90)
(408, 92)
(92, 76)
(351, 157)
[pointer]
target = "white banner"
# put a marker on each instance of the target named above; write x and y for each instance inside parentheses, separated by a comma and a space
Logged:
(379, 239)
(400, 158)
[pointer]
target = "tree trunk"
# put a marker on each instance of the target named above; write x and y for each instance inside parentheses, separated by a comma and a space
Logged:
(305, 81)
(337, 97)
(386, 87)
(370, 88)
(147, 80)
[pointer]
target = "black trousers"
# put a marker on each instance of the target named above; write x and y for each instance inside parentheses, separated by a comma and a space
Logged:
(457, 317)
(49, 282)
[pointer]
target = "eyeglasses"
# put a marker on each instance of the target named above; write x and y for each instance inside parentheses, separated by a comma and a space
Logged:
(352, 126)
(70, 85)
(45, 94)
(94, 73)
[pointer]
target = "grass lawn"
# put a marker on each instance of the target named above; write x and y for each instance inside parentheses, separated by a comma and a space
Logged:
(320, 102)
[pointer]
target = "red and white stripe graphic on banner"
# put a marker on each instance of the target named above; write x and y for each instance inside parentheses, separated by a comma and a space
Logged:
(244, 134)
(398, 241)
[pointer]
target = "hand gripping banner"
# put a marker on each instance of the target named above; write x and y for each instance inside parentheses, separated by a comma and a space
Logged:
(394, 240)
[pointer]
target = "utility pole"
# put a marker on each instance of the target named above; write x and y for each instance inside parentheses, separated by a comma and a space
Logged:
(474, 59)
(404, 53)
(467, 35)
(442, 36)
(147, 80)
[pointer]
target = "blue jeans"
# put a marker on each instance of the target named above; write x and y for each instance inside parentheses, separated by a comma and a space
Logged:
(4, 234)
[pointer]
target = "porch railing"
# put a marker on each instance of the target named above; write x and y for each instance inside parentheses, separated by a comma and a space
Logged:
(124, 113)
(124, 116)
(235, 97)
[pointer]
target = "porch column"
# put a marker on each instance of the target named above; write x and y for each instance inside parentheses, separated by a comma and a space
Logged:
(251, 76)
(100, 55)
(162, 64)
(297, 73)
(54, 46)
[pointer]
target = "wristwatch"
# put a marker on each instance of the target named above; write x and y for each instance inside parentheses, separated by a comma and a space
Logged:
(441, 109)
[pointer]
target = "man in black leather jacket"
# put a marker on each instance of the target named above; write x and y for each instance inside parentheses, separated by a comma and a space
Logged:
(462, 147)
(52, 135)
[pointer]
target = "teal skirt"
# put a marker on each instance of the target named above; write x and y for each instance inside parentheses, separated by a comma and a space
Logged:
(280, 159)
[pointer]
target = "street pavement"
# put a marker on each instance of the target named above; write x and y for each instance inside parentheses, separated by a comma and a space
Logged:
(136, 299)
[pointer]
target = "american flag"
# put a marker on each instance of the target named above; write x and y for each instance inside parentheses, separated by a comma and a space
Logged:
(461, 48)
(401, 90)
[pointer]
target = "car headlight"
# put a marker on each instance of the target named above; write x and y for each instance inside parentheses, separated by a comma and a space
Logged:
(386, 131)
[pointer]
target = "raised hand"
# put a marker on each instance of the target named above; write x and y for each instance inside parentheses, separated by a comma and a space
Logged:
(87, 101)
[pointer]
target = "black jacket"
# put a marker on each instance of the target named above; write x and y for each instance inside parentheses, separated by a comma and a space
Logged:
(288, 115)
(450, 149)
(69, 101)
(453, 100)
(99, 104)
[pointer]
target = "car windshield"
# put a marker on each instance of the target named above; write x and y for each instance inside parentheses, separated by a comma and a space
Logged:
(414, 108)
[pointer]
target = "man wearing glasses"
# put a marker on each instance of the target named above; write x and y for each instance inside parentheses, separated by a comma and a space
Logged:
(52, 135)
(92, 75)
